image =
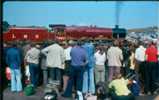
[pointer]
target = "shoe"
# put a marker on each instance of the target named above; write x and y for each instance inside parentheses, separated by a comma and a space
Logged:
(149, 93)
(65, 96)
(141, 94)
(20, 93)
(13, 92)
(155, 93)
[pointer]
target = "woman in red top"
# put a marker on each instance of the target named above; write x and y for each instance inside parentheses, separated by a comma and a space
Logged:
(151, 68)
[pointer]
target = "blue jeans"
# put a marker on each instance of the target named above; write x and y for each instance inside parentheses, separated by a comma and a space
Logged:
(55, 73)
(16, 84)
(88, 81)
(76, 76)
(34, 73)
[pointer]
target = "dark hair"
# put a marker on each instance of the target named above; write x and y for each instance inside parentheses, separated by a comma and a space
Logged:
(32, 44)
(13, 44)
(79, 42)
(116, 43)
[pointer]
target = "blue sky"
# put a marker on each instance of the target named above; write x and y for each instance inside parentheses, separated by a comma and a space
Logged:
(42, 13)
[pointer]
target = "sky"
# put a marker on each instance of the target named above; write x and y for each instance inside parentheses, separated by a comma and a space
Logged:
(132, 14)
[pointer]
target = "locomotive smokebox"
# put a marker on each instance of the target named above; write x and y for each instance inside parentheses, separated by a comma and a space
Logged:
(119, 32)
(116, 26)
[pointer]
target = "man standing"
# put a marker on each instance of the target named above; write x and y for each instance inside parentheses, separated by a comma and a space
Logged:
(32, 58)
(88, 77)
(78, 62)
(115, 57)
(140, 58)
(14, 62)
(55, 58)
(151, 68)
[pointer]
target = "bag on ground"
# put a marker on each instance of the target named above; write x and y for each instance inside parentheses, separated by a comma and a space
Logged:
(29, 90)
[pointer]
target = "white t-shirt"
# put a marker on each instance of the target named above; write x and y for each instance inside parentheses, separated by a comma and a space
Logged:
(140, 53)
(67, 53)
(100, 58)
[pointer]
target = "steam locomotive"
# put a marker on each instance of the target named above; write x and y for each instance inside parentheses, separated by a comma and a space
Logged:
(62, 32)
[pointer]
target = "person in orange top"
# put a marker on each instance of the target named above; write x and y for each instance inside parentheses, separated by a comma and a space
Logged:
(151, 68)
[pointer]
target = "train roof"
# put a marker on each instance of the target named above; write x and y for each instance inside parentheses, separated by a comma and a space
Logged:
(29, 28)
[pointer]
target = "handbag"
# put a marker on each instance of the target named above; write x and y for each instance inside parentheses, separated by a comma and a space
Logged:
(91, 97)
(29, 90)
(27, 72)
(8, 73)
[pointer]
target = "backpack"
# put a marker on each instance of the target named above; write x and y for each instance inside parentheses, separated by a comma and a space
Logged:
(8, 73)
(29, 90)
(135, 88)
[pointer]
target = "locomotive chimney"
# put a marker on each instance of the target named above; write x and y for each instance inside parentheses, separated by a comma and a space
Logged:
(116, 26)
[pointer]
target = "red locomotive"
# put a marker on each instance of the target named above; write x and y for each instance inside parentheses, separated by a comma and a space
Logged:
(60, 32)
(25, 33)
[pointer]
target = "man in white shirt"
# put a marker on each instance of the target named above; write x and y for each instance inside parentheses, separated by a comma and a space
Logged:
(115, 57)
(32, 58)
(140, 61)
(140, 53)
(55, 58)
(140, 57)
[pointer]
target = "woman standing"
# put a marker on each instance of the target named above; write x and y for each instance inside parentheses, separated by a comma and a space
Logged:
(100, 58)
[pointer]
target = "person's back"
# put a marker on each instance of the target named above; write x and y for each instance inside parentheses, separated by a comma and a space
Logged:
(25, 48)
(120, 87)
(126, 53)
(114, 56)
(33, 55)
(140, 53)
(151, 53)
(89, 48)
(13, 57)
(55, 55)
(78, 62)
(88, 77)
(151, 69)
(78, 56)
(14, 62)
(100, 58)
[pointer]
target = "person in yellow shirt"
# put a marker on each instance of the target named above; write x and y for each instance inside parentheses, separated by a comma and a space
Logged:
(118, 88)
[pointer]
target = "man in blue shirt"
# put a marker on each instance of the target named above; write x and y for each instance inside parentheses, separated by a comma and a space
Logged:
(14, 62)
(88, 77)
(78, 62)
